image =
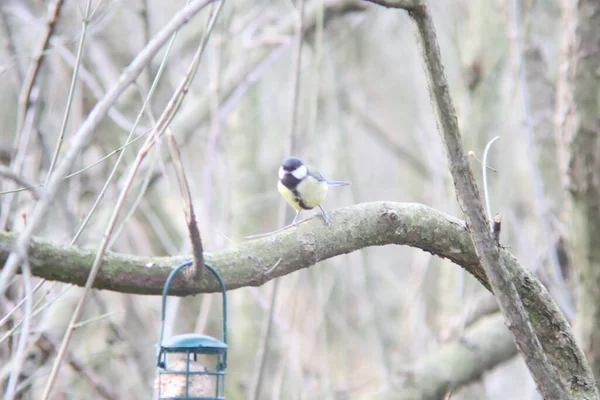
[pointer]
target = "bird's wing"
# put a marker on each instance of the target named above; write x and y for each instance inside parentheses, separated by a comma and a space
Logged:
(315, 174)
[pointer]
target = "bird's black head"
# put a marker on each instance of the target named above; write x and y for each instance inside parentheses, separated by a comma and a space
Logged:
(292, 171)
(290, 164)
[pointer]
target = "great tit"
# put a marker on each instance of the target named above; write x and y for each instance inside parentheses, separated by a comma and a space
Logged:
(303, 187)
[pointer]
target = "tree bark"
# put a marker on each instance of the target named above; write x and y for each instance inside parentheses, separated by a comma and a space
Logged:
(578, 123)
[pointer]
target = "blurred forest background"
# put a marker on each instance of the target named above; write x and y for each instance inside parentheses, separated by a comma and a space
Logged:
(354, 327)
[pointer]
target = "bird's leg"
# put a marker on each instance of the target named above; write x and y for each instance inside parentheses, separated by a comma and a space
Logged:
(296, 218)
(325, 216)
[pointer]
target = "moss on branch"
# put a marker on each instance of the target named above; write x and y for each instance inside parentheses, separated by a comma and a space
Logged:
(251, 262)
(353, 228)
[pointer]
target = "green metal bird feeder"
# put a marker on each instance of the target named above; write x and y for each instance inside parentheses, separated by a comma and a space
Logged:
(185, 377)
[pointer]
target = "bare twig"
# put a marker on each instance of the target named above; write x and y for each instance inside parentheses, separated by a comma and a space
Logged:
(486, 189)
(82, 136)
(38, 58)
(11, 49)
(102, 387)
(496, 228)
(74, 79)
(473, 155)
(18, 358)
(188, 208)
(29, 186)
(263, 352)
(261, 235)
(9, 174)
(374, 129)
(296, 73)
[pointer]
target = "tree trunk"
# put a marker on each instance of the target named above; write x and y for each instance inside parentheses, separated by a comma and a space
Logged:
(579, 129)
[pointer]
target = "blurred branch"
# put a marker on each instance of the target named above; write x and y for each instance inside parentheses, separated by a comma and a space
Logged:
(11, 50)
(353, 228)
(26, 108)
(85, 20)
(236, 81)
(38, 58)
(377, 132)
(537, 102)
(102, 387)
(483, 347)
(9, 174)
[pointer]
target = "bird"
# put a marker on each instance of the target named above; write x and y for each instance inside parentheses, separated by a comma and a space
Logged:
(303, 187)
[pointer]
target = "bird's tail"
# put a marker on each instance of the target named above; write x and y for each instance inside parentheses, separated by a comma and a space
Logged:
(338, 183)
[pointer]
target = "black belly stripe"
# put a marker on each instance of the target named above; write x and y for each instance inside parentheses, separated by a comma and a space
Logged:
(299, 200)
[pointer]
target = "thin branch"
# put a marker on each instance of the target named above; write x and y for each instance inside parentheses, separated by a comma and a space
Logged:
(102, 387)
(263, 351)
(18, 358)
(484, 168)
(86, 130)
(296, 77)
(378, 133)
(11, 49)
(497, 228)
(74, 80)
(188, 209)
(38, 58)
(29, 186)
(9, 174)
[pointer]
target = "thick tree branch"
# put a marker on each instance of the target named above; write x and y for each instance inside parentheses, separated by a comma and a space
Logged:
(484, 346)
(353, 228)
(250, 263)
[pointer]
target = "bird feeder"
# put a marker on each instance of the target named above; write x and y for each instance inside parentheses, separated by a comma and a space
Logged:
(184, 377)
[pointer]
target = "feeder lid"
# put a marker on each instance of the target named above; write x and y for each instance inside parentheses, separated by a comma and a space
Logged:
(202, 344)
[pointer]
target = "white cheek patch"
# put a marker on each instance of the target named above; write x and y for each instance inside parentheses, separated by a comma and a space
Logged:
(300, 172)
(281, 172)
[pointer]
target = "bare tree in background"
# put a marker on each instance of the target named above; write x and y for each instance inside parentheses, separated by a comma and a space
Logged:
(87, 92)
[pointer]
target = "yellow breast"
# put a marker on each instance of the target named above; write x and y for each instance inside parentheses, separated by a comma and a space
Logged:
(308, 194)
